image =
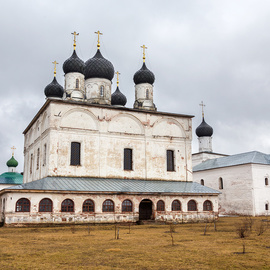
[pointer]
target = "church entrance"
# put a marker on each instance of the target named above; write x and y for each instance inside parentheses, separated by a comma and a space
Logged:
(145, 209)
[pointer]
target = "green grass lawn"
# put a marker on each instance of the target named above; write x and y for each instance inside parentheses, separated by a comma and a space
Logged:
(145, 247)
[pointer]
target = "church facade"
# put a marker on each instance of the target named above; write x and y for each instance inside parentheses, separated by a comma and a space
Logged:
(88, 158)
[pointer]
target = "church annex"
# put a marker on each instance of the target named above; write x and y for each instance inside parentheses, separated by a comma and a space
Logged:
(88, 158)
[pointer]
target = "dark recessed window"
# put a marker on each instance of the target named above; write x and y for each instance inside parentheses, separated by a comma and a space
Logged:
(77, 83)
(202, 182)
(266, 181)
(220, 180)
(147, 93)
(23, 205)
(108, 206)
(127, 159)
(88, 206)
(127, 206)
(101, 90)
(160, 206)
(38, 153)
(75, 157)
(176, 205)
(207, 206)
(45, 205)
(266, 207)
(192, 205)
(67, 206)
(170, 160)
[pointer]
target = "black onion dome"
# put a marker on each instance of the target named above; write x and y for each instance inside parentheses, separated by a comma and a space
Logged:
(204, 130)
(118, 98)
(54, 89)
(98, 67)
(144, 75)
(73, 64)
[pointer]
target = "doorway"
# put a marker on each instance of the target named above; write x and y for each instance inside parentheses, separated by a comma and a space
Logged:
(145, 210)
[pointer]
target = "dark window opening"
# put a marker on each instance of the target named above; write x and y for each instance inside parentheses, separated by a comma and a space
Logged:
(220, 183)
(170, 160)
(23, 205)
(127, 159)
(266, 207)
(101, 90)
(67, 206)
(108, 206)
(127, 206)
(38, 158)
(160, 206)
(266, 181)
(77, 83)
(88, 206)
(207, 206)
(192, 205)
(45, 205)
(202, 182)
(176, 205)
(75, 157)
(147, 94)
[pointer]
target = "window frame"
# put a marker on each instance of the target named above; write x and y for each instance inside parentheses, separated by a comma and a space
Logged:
(202, 182)
(128, 159)
(101, 90)
(75, 154)
(191, 204)
(160, 206)
(68, 207)
(174, 205)
(49, 207)
(206, 205)
(220, 183)
(77, 84)
(108, 208)
(127, 208)
(23, 206)
(170, 158)
(86, 207)
(266, 181)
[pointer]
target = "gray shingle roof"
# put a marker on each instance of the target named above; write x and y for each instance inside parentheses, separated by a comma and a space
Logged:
(115, 185)
(254, 157)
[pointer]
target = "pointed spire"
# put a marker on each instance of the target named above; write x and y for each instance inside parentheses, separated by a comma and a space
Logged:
(98, 33)
(74, 39)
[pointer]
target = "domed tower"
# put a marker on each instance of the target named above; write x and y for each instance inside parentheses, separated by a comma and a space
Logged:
(54, 89)
(144, 79)
(204, 133)
(73, 68)
(98, 73)
(118, 99)
(12, 163)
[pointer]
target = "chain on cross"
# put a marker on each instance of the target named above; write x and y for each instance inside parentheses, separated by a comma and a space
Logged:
(55, 63)
(74, 34)
(201, 104)
(98, 33)
(144, 48)
(117, 73)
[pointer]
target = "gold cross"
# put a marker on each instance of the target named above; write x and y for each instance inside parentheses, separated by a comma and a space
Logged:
(13, 148)
(117, 72)
(75, 34)
(201, 104)
(144, 48)
(98, 33)
(55, 63)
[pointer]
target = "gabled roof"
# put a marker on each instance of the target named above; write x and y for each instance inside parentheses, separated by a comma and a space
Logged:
(79, 184)
(253, 157)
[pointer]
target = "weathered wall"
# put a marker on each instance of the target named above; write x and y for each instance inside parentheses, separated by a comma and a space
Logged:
(103, 134)
(201, 157)
(12, 217)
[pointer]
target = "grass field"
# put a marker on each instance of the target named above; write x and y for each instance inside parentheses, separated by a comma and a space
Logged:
(145, 247)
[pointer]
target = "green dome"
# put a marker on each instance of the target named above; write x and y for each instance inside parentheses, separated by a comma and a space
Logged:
(12, 162)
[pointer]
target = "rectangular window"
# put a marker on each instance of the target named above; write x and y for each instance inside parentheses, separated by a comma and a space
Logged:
(127, 159)
(31, 163)
(38, 159)
(75, 157)
(170, 160)
(44, 154)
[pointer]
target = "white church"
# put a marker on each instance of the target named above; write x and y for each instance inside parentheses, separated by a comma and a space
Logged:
(88, 158)
(242, 179)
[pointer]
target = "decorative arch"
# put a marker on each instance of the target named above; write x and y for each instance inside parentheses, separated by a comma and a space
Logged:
(192, 205)
(160, 206)
(127, 206)
(176, 205)
(79, 119)
(67, 206)
(207, 206)
(45, 205)
(126, 123)
(23, 205)
(88, 206)
(168, 127)
(108, 206)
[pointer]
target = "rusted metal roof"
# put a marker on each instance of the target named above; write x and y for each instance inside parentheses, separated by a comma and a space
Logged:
(80, 184)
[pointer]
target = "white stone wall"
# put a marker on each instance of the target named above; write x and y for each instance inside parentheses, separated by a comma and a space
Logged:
(103, 134)
(34, 216)
(205, 144)
(237, 194)
(70, 85)
(201, 157)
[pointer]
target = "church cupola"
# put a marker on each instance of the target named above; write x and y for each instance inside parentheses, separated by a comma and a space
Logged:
(118, 98)
(204, 133)
(54, 89)
(73, 68)
(98, 73)
(12, 163)
(144, 79)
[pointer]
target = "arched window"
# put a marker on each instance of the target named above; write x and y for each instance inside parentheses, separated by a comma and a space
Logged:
(202, 182)
(266, 181)
(102, 91)
(147, 93)
(176, 205)
(77, 83)
(127, 206)
(207, 206)
(192, 205)
(23, 205)
(220, 182)
(67, 206)
(160, 206)
(266, 207)
(45, 205)
(88, 206)
(108, 206)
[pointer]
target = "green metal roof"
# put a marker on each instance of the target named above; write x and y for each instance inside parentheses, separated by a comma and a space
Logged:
(81, 184)
(11, 178)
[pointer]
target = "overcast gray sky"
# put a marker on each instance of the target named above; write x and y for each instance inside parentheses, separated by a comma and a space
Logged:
(217, 51)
